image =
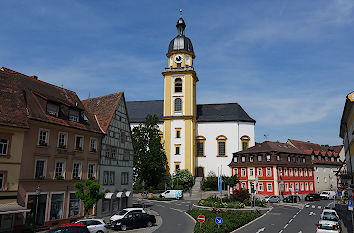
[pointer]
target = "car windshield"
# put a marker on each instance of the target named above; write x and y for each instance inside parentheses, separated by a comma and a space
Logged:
(330, 217)
(122, 212)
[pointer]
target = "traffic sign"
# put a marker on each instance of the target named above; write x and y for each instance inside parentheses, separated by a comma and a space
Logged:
(201, 218)
(297, 190)
(218, 220)
(339, 194)
(350, 205)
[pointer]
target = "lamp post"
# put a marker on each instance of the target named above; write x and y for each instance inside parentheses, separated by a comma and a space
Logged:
(38, 192)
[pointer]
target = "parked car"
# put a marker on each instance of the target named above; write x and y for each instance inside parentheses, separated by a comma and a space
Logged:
(325, 226)
(70, 228)
(134, 220)
(292, 199)
(329, 217)
(313, 197)
(272, 199)
(172, 194)
(121, 214)
(327, 195)
(94, 225)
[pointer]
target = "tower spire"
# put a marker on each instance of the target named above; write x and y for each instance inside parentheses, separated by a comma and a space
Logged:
(181, 25)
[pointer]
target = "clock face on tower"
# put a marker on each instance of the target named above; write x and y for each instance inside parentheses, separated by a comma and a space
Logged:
(178, 58)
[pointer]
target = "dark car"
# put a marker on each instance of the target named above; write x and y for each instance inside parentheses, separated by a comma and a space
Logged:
(292, 199)
(70, 228)
(134, 220)
(313, 197)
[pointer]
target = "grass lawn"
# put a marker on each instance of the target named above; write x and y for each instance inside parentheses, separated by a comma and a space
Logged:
(231, 220)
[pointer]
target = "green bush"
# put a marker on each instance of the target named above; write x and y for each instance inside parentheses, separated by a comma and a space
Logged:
(231, 220)
(182, 179)
(221, 203)
(210, 182)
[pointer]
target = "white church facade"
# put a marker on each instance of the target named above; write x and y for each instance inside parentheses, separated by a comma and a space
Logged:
(197, 137)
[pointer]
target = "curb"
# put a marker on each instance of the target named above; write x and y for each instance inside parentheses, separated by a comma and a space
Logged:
(252, 221)
(195, 221)
(233, 209)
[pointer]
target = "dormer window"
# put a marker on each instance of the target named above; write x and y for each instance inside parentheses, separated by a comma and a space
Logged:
(319, 157)
(312, 157)
(289, 159)
(235, 159)
(243, 159)
(53, 109)
(268, 158)
(278, 158)
(332, 159)
(74, 115)
(259, 158)
(326, 158)
(303, 160)
(251, 159)
(337, 159)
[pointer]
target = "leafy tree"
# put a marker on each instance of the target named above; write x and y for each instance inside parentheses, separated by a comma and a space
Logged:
(150, 161)
(89, 193)
(182, 178)
(232, 180)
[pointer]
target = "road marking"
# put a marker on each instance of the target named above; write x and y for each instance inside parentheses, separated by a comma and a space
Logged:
(300, 231)
(160, 205)
(281, 231)
(260, 230)
(286, 226)
(291, 220)
(178, 204)
(319, 207)
(312, 213)
(313, 207)
(177, 210)
(307, 206)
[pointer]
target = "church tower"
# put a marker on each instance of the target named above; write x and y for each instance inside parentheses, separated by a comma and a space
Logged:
(179, 109)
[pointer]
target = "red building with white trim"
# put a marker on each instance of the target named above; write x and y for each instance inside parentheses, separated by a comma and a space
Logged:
(274, 168)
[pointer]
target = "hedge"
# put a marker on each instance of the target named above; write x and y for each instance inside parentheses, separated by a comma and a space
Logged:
(231, 220)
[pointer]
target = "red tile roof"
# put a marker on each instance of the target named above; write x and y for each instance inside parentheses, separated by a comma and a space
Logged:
(313, 148)
(269, 146)
(25, 97)
(103, 107)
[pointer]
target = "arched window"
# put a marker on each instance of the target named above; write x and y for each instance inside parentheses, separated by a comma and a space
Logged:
(245, 142)
(200, 146)
(221, 140)
(178, 105)
(178, 85)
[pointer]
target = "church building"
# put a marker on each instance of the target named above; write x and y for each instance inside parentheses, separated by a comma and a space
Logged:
(197, 137)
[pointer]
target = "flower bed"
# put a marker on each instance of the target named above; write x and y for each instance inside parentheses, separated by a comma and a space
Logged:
(227, 203)
(231, 220)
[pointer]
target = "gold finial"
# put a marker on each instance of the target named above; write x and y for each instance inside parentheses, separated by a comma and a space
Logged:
(180, 10)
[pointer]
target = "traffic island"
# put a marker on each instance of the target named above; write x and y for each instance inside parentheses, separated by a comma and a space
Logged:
(221, 221)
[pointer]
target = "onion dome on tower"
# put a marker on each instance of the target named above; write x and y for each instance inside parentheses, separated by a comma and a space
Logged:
(180, 42)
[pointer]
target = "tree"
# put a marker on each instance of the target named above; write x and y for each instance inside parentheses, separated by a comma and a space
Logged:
(150, 161)
(232, 180)
(182, 178)
(89, 193)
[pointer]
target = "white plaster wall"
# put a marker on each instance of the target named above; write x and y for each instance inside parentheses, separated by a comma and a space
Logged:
(181, 157)
(233, 131)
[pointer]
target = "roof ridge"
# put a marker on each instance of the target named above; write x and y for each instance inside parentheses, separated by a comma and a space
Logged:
(221, 103)
(141, 101)
(121, 92)
(13, 72)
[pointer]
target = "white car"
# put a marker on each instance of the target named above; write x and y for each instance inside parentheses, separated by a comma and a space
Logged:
(329, 212)
(328, 227)
(327, 194)
(121, 214)
(172, 194)
(94, 225)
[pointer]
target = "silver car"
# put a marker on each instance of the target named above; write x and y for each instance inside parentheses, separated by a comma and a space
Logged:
(94, 225)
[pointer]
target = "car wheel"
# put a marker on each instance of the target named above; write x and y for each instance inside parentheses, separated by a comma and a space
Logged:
(99, 232)
(123, 227)
(149, 224)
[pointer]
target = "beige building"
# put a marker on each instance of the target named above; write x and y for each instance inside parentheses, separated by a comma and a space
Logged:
(61, 146)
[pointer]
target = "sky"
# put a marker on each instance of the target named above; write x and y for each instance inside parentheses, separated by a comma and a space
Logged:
(289, 64)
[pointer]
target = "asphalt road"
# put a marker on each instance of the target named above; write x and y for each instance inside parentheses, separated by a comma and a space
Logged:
(174, 220)
(289, 218)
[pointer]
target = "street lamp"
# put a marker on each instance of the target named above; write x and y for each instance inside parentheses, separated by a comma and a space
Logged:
(38, 192)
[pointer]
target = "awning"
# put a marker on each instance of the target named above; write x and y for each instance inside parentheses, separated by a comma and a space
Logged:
(12, 208)
(119, 194)
(128, 193)
(108, 195)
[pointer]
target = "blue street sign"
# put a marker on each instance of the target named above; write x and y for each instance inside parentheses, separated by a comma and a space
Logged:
(339, 194)
(350, 205)
(297, 190)
(218, 220)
